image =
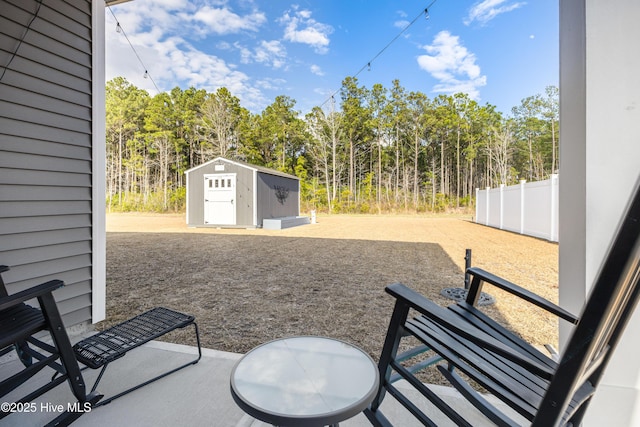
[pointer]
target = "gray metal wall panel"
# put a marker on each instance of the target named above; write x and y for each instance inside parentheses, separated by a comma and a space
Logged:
(244, 194)
(195, 198)
(45, 150)
(269, 205)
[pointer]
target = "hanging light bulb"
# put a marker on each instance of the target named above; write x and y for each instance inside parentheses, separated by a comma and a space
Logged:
(368, 66)
(146, 74)
(426, 14)
(118, 28)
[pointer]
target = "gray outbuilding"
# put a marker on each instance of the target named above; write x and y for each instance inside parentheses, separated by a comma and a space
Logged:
(231, 193)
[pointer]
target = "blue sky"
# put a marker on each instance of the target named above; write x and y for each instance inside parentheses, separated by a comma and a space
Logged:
(497, 51)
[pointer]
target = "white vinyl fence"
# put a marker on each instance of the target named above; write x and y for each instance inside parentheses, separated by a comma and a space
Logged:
(528, 208)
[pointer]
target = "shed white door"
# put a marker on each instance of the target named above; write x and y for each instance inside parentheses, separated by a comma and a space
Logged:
(220, 199)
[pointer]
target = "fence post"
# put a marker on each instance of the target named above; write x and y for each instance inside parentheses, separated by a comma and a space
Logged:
(553, 232)
(487, 218)
(477, 194)
(501, 206)
(522, 204)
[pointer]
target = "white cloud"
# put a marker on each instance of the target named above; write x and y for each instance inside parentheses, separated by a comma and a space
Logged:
(449, 62)
(402, 24)
(224, 21)
(160, 40)
(246, 56)
(301, 28)
(269, 83)
(272, 53)
(486, 10)
(315, 69)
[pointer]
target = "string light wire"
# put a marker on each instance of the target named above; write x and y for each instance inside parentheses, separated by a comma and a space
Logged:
(15, 52)
(119, 29)
(367, 65)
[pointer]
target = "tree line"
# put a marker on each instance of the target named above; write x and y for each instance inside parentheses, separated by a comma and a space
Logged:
(366, 150)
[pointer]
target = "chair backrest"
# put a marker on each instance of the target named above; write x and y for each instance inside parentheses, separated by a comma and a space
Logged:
(611, 303)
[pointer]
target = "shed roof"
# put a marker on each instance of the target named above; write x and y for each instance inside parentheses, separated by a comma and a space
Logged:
(245, 165)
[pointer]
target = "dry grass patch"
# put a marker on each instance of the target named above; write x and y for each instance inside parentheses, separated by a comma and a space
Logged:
(246, 287)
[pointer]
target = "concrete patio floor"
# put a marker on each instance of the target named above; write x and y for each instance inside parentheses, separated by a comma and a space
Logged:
(198, 395)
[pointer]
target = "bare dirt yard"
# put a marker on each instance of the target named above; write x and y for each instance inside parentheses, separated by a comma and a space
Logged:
(246, 287)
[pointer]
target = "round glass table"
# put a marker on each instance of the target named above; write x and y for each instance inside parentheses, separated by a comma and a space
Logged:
(304, 381)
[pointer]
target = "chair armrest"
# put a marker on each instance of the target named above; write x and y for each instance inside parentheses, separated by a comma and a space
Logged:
(480, 275)
(27, 294)
(448, 320)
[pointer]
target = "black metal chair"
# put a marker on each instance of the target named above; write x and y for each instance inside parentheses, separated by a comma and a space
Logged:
(546, 392)
(19, 323)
